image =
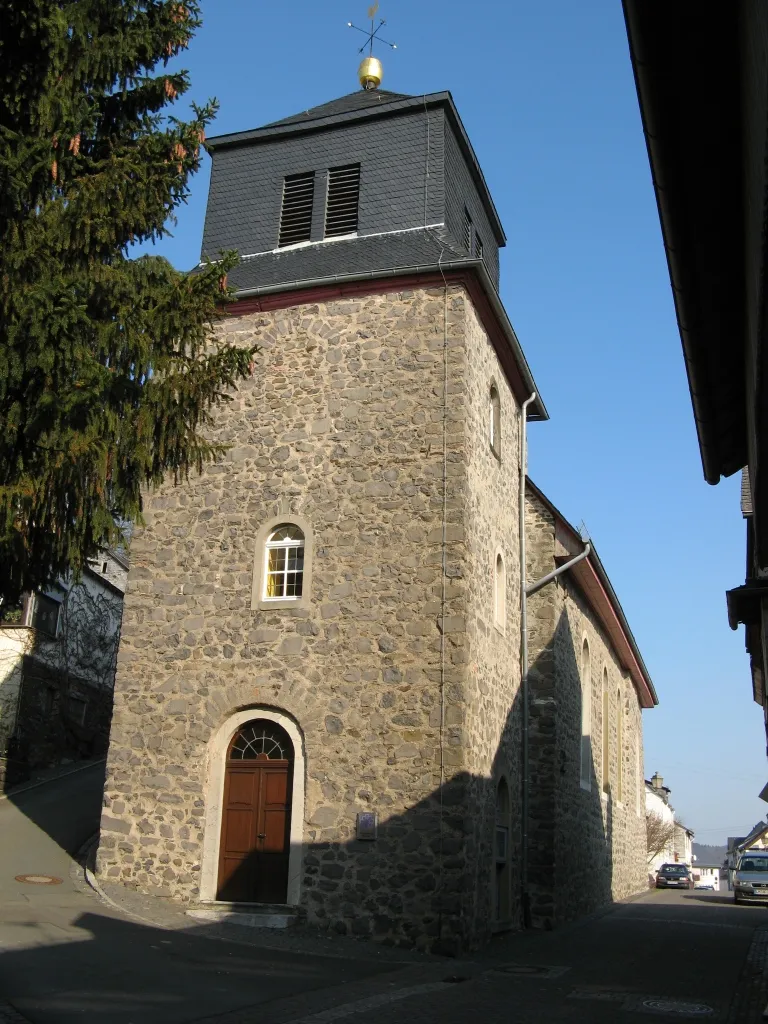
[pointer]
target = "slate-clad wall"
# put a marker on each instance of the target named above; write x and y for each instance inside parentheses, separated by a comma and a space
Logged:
(413, 173)
(460, 192)
(247, 180)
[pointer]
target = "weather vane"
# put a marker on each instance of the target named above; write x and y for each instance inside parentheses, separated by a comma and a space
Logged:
(370, 70)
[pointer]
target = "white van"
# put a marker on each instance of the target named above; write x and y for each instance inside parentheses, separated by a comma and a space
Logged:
(750, 880)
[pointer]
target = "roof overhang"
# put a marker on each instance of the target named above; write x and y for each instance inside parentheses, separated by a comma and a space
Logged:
(592, 580)
(686, 65)
(471, 274)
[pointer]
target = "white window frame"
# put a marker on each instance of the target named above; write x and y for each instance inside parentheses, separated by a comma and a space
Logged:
(259, 582)
(287, 546)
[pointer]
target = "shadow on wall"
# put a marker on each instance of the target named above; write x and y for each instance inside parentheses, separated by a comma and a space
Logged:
(448, 873)
(56, 715)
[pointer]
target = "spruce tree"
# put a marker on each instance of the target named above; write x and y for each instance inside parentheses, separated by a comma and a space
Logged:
(109, 371)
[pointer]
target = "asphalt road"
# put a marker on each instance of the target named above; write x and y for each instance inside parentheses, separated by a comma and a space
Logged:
(66, 958)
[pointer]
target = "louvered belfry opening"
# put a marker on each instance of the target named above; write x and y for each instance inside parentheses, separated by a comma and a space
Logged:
(296, 213)
(343, 200)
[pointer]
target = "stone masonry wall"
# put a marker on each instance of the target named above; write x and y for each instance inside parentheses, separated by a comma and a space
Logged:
(605, 824)
(492, 726)
(341, 424)
(542, 715)
(587, 845)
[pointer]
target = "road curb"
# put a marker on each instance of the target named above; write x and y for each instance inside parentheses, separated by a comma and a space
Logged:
(92, 881)
(44, 782)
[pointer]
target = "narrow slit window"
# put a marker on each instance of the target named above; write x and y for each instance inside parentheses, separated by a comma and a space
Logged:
(606, 737)
(343, 200)
(467, 232)
(500, 593)
(296, 212)
(585, 776)
(619, 749)
(494, 420)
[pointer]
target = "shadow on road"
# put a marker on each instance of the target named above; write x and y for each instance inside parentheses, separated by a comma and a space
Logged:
(66, 809)
(121, 972)
(718, 899)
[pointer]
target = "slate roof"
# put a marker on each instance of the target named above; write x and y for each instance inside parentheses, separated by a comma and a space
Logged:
(358, 100)
(329, 259)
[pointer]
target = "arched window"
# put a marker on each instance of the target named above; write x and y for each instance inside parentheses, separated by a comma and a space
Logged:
(494, 426)
(619, 748)
(585, 766)
(261, 740)
(606, 734)
(284, 563)
(500, 593)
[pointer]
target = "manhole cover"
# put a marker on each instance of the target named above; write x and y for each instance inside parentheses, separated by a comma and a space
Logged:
(674, 1006)
(38, 879)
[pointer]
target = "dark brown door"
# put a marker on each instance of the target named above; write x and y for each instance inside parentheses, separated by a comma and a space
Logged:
(256, 818)
(253, 863)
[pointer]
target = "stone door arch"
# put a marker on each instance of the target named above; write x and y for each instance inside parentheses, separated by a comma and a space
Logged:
(254, 847)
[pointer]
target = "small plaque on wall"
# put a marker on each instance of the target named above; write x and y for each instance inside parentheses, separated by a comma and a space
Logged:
(367, 824)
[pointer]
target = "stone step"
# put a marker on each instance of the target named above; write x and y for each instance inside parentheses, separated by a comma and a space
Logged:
(249, 915)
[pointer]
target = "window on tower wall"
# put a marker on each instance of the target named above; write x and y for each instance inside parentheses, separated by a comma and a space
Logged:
(585, 771)
(606, 737)
(500, 594)
(494, 421)
(284, 564)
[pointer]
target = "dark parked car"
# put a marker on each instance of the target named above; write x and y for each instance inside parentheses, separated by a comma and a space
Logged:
(674, 876)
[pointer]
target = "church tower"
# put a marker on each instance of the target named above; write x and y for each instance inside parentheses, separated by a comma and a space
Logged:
(316, 709)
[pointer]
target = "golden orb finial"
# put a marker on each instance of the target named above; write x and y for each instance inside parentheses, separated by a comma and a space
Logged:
(370, 72)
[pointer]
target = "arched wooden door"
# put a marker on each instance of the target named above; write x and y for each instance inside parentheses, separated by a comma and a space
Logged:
(256, 816)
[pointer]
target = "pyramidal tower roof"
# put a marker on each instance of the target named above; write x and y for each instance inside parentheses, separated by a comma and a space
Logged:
(361, 99)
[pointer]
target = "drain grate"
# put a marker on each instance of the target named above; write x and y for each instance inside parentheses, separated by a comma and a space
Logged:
(676, 1006)
(38, 879)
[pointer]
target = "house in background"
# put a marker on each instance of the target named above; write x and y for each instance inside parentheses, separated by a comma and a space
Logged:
(707, 874)
(58, 652)
(662, 824)
(660, 818)
(683, 844)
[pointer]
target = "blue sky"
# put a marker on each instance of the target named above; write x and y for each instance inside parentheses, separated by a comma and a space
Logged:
(546, 94)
